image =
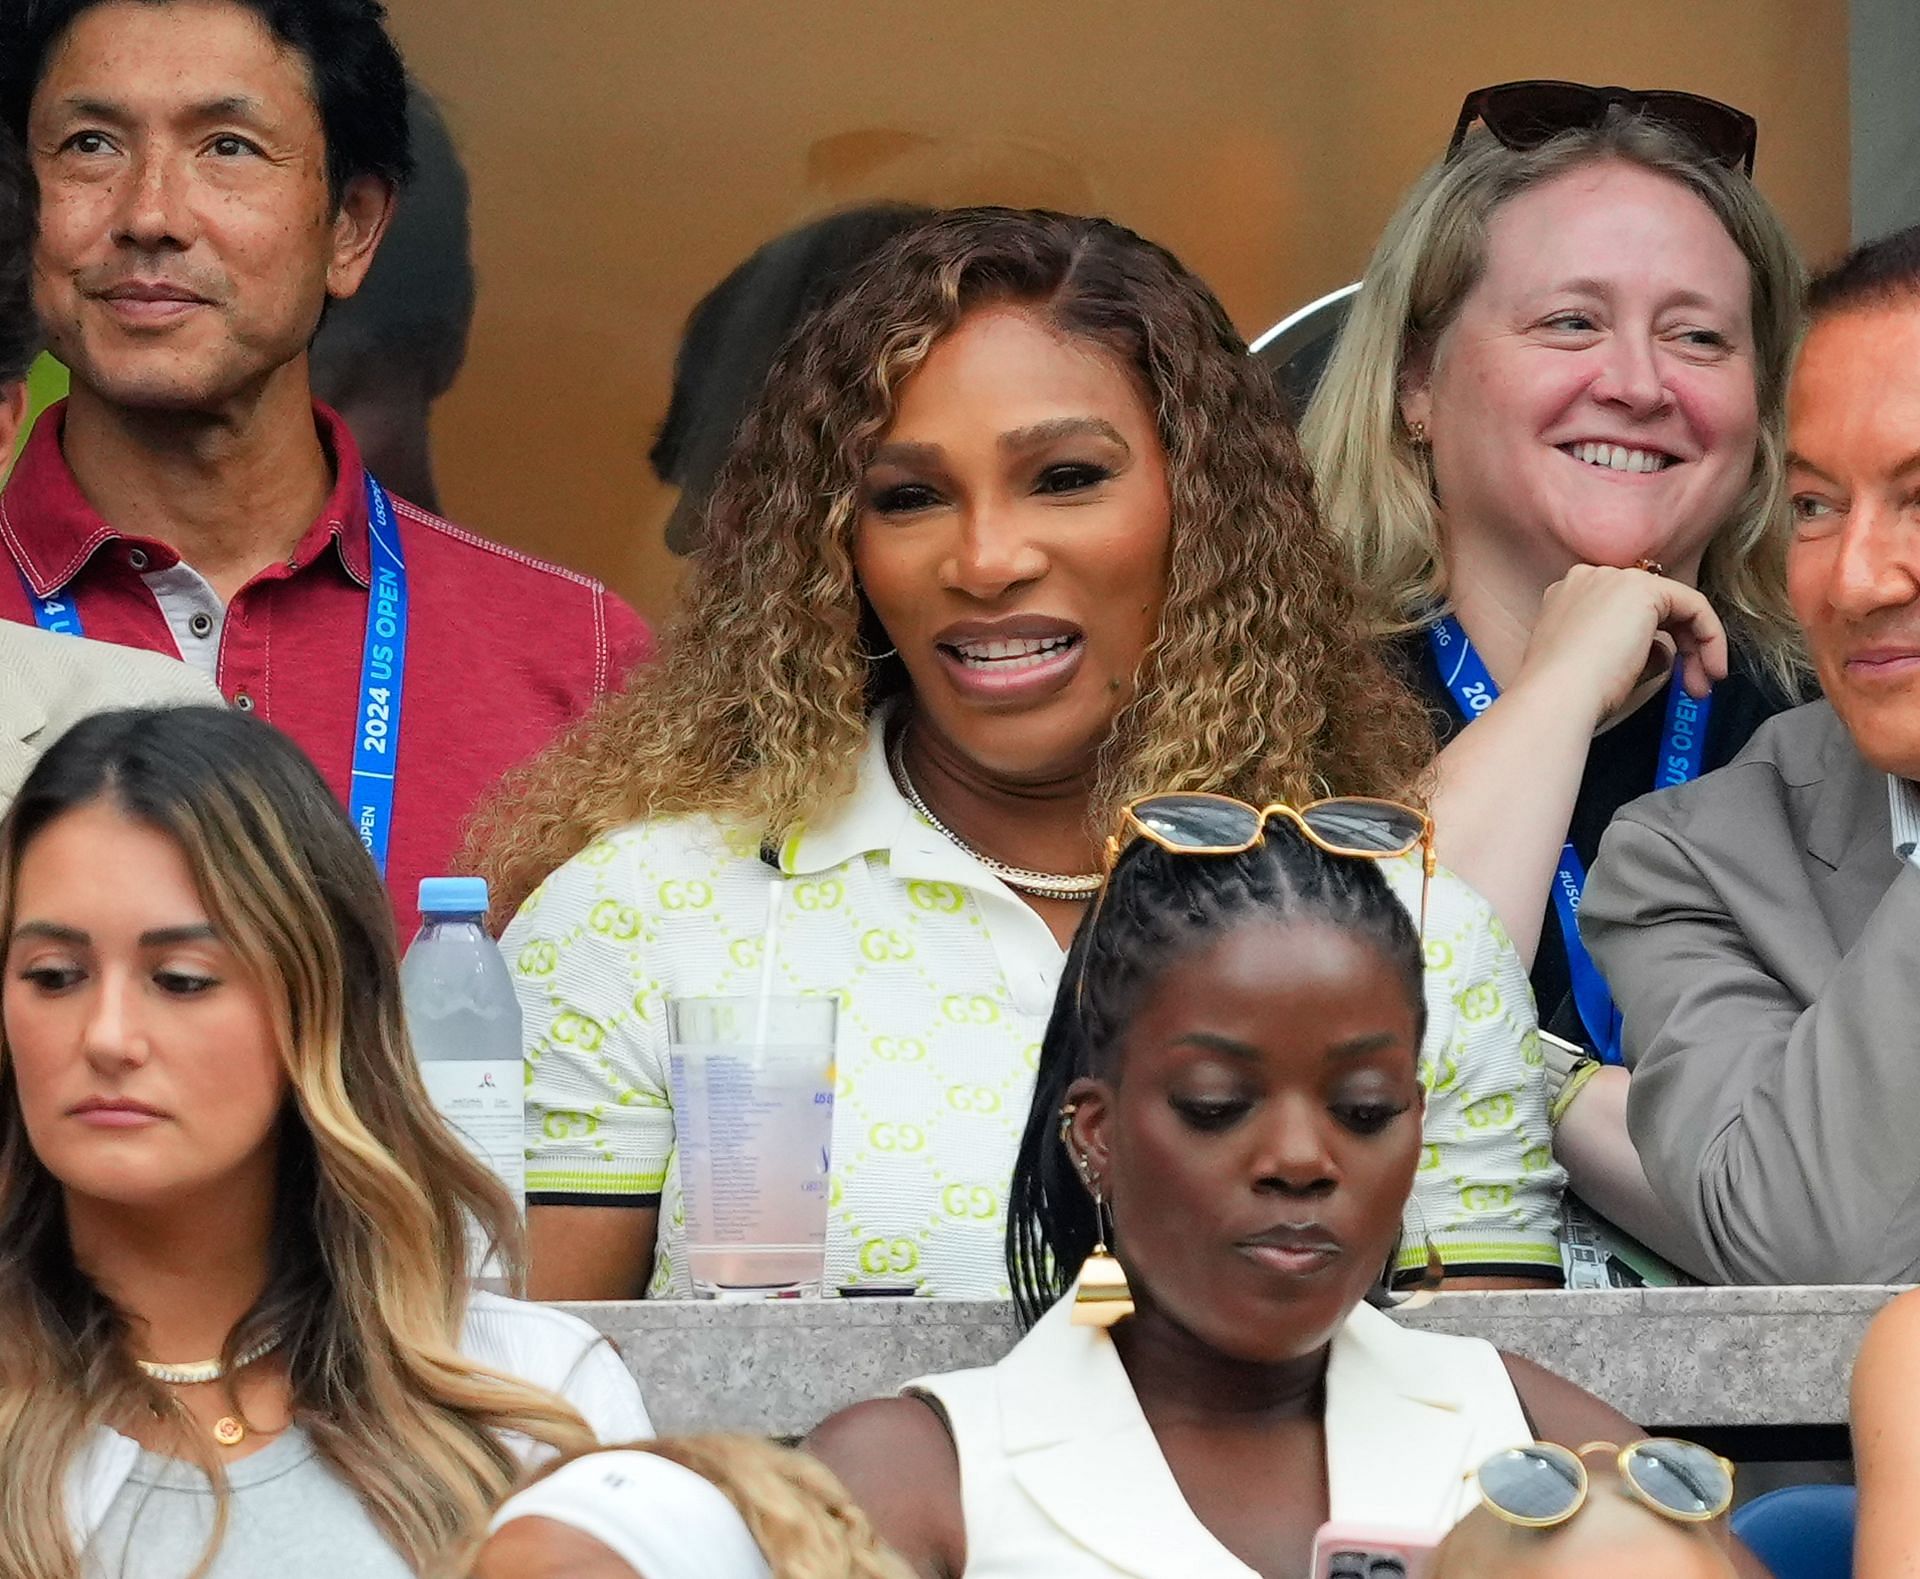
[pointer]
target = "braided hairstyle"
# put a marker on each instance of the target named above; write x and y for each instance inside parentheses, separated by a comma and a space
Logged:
(1159, 906)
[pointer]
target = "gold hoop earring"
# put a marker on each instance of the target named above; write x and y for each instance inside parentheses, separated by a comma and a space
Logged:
(1101, 1296)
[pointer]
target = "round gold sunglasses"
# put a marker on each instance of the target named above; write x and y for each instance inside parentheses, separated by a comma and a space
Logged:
(1198, 822)
(1544, 1484)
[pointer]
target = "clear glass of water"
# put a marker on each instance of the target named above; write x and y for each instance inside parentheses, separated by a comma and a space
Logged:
(752, 1083)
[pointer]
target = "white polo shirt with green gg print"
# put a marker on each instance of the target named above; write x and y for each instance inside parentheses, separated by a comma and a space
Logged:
(945, 979)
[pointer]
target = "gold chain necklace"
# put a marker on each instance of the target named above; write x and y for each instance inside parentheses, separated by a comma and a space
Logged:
(1037, 885)
(228, 1430)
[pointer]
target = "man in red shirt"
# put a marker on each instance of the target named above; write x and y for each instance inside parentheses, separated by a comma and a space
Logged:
(211, 175)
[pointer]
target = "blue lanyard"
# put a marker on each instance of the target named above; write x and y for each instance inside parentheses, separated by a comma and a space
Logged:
(383, 662)
(383, 672)
(1683, 756)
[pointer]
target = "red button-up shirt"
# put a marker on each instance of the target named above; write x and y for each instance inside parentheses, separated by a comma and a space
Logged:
(502, 649)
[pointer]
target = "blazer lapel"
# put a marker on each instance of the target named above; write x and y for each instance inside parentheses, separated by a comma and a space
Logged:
(1399, 1434)
(1850, 833)
(22, 716)
(1080, 1447)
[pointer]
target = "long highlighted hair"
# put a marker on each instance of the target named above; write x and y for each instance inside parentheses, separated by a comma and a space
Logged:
(1375, 490)
(1259, 682)
(367, 1284)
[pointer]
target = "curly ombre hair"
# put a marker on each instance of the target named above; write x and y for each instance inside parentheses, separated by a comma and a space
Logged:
(1260, 681)
(1376, 489)
(367, 1285)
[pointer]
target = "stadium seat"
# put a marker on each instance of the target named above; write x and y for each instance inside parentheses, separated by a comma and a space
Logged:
(1801, 1532)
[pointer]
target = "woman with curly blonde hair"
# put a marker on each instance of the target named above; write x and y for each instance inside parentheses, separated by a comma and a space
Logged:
(236, 1335)
(1016, 532)
(691, 1507)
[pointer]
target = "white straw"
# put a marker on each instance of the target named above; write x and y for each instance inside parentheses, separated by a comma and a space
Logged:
(776, 892)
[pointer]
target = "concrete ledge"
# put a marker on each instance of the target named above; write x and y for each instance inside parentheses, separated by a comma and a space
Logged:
(1707, 1357)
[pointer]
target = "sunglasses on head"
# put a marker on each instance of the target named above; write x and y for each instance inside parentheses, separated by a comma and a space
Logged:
(1544, 1484)
(1199, 823)
(1523, 115)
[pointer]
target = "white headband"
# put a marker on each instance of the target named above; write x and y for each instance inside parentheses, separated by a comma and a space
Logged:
(660, 1518)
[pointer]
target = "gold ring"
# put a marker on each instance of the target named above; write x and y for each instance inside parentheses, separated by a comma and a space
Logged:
(1652, 567)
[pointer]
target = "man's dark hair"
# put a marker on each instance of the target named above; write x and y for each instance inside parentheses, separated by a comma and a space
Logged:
(359, 82)
(1883, 273)
(1158, 908)
(19, 334)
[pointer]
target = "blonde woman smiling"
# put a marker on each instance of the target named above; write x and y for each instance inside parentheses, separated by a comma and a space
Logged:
(235, 1332)
(1550, 438)
(1016, 530)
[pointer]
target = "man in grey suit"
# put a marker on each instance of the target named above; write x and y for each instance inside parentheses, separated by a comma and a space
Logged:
(1760, 927)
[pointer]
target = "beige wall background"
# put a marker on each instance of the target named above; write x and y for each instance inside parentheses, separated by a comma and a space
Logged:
(625, 154)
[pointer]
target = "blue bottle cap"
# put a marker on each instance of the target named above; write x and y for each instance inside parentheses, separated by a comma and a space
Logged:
(453, 896)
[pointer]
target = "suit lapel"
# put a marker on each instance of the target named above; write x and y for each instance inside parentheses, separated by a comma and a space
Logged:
(1850, 833)
(23, 715)
(1082, 1450)
(1394, 1427)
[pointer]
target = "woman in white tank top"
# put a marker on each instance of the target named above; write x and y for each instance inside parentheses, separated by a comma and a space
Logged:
(1231, 1071)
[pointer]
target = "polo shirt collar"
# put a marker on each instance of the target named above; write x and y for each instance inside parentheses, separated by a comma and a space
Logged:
(1903, 801)
(53, 532)
(877, 819)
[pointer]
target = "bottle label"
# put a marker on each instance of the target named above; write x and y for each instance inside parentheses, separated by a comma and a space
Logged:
(484, 1100)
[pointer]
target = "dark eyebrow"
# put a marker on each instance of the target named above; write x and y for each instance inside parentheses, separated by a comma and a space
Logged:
(1360, 1046)
(1063, 428)
(159, 937)
(1798, 462)
(235, 106)
(902, 452)
(232, 106)
(166, 937)
(51, 930)
(92, 109)
(1353, 1047)
(1208, 1041)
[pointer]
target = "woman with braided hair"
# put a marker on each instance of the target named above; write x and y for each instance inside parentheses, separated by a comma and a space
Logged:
(1225, 1128)
(1017, 531)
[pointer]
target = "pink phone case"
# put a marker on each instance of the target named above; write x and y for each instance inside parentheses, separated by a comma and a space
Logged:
(1370, 1551)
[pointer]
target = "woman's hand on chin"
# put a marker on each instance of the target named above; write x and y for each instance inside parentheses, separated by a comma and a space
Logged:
(1603, 632)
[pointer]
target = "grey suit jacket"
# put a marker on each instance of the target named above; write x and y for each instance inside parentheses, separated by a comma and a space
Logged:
(48, 683)
(1762, 940)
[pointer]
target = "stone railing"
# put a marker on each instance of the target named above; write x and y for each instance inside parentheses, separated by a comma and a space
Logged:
(1712, 1360)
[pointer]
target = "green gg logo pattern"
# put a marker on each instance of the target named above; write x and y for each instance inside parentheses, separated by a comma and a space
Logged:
(939, 1032)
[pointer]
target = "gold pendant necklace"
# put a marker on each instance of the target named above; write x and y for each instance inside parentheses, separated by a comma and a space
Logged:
(228, 1430)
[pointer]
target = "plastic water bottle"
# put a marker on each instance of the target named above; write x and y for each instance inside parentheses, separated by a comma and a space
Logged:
(465, 1025)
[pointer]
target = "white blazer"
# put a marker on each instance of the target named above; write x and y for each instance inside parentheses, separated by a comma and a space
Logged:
(1061, 1478)
(539, 1345)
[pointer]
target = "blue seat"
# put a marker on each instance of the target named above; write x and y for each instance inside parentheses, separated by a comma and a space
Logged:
(1801, 1532)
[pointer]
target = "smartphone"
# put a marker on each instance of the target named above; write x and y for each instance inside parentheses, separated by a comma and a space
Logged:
(1370, 1551)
